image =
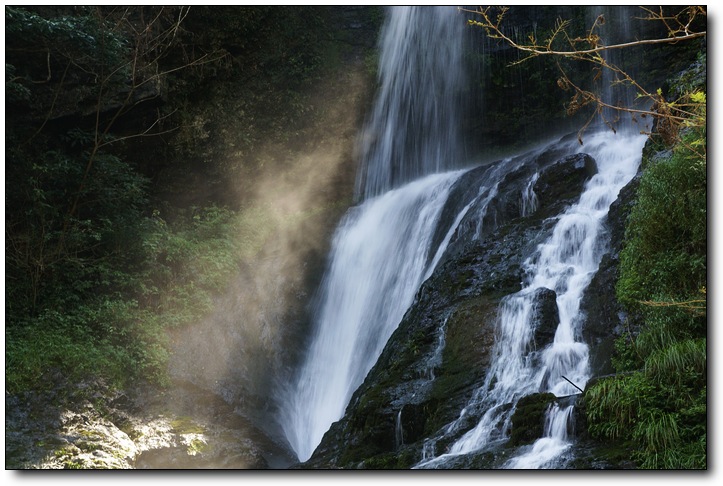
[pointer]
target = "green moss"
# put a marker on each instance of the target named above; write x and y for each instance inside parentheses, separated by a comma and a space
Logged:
(74, 464)
(468, 340)
(186, 425)
(86, 446)
(528, 421)
(395, 460)
(198, 446)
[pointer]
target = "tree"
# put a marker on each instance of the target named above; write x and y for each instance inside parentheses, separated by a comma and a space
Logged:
(589, 47)
(81, 82)
(73, 199)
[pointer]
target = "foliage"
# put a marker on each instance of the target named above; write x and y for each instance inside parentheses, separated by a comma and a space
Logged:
(96, 274)
(666, 238)
(187, 263)
(47, 248)
(111, 334)
(39, 48)
(658, 404)
(564, 42)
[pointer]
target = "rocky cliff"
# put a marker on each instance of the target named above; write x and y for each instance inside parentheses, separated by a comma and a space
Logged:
(439, 354)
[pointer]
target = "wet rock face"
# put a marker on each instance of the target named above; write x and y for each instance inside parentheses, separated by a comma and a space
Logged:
(605, 318)
(440, 352)
(546, 317)
(563, 180)
(560, 181)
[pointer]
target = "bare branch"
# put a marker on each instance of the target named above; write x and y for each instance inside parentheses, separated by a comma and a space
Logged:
(574, 53)
(671, 115)
(145, 133)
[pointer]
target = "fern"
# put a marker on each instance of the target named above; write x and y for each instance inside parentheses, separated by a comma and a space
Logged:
(671, 363)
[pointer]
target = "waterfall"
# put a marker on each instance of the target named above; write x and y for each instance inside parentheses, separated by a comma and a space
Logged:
(436, 359)
(616, 28)
(386, 247)
(378, 261)
(399, 431)
(529, 198)
(383, 250)
(553, 443)
(413, 130)
(565, 263)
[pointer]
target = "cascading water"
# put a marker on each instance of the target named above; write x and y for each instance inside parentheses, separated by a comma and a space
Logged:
(384, 249)
(378, 261)
(413, 130)
(553, 443)
(565, 263)
(389, 244)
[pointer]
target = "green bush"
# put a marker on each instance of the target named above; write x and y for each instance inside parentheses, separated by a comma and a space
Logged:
(666, 237)
(121, 336)
(657, 405)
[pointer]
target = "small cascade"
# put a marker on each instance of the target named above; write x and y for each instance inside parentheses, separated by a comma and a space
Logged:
(565, 263)
(428, 449)
(398, 431)
(529, 198)
(436, 360)
(545, 451)
(487, 196)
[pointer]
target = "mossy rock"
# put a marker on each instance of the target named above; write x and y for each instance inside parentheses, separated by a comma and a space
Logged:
(528, 421)
(403, 459)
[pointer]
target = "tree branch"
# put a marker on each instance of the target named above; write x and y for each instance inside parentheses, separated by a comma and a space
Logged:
(678, 31)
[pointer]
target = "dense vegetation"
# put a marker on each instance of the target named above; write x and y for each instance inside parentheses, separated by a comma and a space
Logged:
(656, 406)
(118, 223)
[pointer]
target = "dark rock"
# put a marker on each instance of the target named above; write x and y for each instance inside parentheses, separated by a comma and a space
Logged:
(460, 300)
(563, 180)
(528, 421)
(605, 318)
(413, 419)
(545, 317)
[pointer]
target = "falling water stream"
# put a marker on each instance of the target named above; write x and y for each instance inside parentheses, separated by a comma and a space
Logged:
(413, 129)
(565, 263)
(385, 248)
(379, 259)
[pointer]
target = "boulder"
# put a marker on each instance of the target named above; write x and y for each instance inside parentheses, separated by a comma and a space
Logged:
(545, 317)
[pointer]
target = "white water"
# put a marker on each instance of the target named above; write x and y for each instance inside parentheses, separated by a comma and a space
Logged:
(436, 359)
(565, 263)
(399, 431)
(382, 251)
(529, 198)
(552, 444)
(378, 261)
(413, 130)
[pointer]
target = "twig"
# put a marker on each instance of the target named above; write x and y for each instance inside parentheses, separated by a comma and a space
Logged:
(581, 390)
